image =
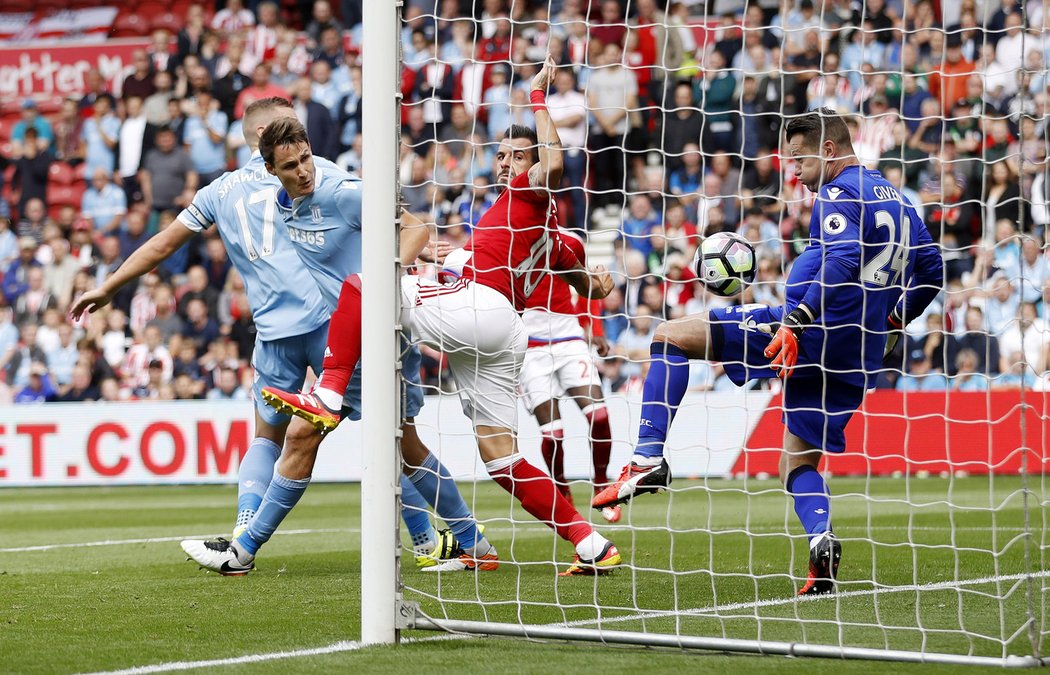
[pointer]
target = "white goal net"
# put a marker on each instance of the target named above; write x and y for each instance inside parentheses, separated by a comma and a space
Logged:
(671, 118)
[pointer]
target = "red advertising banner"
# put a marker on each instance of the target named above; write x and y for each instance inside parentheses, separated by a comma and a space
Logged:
(59, 69)
(916, 432)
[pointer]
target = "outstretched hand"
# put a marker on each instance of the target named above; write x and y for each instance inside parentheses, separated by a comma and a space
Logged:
(435, 251)
(545, 75)
(91, 302)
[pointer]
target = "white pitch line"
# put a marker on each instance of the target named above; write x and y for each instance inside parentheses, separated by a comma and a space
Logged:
(155, 540)
(354, 646)
(776, 602)
(235, 660)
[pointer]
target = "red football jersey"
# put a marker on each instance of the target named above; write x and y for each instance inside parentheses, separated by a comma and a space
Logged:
(516, 243)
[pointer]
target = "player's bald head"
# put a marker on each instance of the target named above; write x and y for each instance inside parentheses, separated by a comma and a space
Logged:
(259, 114)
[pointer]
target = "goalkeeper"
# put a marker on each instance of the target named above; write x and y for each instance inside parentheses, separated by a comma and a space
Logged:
(869, 267)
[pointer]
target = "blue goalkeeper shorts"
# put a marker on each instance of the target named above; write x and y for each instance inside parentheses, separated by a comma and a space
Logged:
(817, 406)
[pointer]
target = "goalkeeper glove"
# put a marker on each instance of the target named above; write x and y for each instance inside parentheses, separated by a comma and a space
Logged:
(896, 324)
(783, 348)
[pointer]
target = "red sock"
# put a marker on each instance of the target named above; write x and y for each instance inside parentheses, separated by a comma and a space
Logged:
(539, 496)
(601, 443)
(344, 338)
(554, 456)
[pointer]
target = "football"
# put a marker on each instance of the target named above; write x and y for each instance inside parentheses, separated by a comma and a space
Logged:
(725, 263)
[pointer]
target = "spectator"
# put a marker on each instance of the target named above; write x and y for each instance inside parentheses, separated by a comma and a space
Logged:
(233, 18)
(611, 27)
(260, 88)
(640, 218)
(612, 91)
(67, 130)
(134, 234)
(330, 49)
(948, 80)
(62, 359)
(8, 245)
(317, 119)
(1001, 305)
(234, 72)
(31, 304)
(321, 19)
(966, 376)
(104, 204)
(190, 38)
(31, 171)
(919, 376)
(31, 119)
(974, 336)
(1002, 198)
(715, 95)
(167, 175)
(142, 355)
(680, 126)
(38, 389)
(19, 360)
(60, 272)
(634, 343)
(140, 83)
(951, 222)
(227, 387)
(132, 145)
(348, 112)
(115, 340)
(164, 317)
(262, 39)
(99, 136)
(197, 288)
(80, 388)
(1027, 337)
(568, 110)
(205, 138)
(155, 106)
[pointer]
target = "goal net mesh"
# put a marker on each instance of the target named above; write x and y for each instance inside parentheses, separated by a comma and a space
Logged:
(671, 117)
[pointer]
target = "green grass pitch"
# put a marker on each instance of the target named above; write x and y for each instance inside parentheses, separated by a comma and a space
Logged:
(714, 558)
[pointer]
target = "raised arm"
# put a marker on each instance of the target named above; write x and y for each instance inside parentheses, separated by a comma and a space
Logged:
(415, 235)
(547, 173)
(159, 248)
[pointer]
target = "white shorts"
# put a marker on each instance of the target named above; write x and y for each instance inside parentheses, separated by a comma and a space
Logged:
(552, 370)
(483, 337)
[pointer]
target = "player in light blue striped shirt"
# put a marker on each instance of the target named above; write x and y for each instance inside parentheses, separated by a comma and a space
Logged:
(290, 313)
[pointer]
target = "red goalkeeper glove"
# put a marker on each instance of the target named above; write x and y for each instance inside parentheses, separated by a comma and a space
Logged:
(896, 324)
(783, 348)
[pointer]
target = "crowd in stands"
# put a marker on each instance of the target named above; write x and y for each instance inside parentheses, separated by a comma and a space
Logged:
(670, 117)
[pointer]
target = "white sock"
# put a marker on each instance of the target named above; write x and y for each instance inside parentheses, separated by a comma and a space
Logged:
(591, 546)
(331, 399)
(643, 460)
(480, 549)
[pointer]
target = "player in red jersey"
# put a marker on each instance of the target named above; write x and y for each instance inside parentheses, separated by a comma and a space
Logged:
(477, 322)
(559, 363)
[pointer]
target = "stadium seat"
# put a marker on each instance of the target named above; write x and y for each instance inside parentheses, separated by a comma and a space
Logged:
(129, 25)
(168, 21)
(65, 195)
(61, 173)
(19, 5)
(152, 8)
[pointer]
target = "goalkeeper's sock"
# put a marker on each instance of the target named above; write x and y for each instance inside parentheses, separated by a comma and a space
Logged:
(601, 440)
(812, 504)
(253, 477)
(417, 519)
(539, 496)
(344, 345)
(435, 484)
(282, 495)
(662, 392)
(553, 455)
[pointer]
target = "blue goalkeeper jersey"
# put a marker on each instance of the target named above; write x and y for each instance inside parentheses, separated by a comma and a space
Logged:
(869, 251)
(325, 227)
(283, 297)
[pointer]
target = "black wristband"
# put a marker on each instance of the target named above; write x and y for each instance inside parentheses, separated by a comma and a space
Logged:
(797, 320)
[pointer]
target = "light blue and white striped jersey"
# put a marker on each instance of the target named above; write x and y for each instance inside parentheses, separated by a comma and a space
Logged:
(325, 226)
(283, 296)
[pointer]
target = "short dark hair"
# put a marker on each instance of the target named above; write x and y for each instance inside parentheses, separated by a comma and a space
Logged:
(281, 131)
(819, 126)
(522, 131)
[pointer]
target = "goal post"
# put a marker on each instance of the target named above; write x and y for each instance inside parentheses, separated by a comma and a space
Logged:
(381, 413)
(940, 499)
